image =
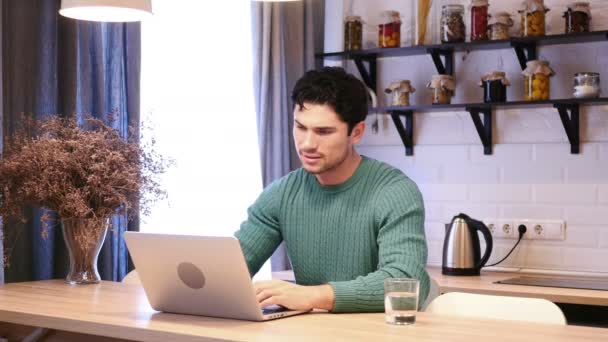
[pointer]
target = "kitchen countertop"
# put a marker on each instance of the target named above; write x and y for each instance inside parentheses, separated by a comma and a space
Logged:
(485, 284)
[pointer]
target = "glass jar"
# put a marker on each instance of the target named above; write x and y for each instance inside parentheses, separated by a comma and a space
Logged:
(353, 33)
(500, 23)
(586, 85)
(452, 24)
(389, 33)
(442, 89)
(537, 84)
(479, 20)
(578, 18)
(494, 86)
(401, 92)
(533, 18)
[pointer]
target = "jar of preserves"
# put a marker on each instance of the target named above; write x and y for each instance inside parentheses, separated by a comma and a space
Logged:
(500, 23)
(586, 85)
(389, 33)
(479, 20)
(452, 24)
(536, 80)
(494, 86)
(533, 18)
(578, 17)
(401, 92)
(353, 33)
(442, 88)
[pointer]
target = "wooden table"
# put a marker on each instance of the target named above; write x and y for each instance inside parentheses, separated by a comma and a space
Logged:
(121, 311)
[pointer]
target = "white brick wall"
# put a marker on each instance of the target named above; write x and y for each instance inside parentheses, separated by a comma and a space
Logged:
(531, 173)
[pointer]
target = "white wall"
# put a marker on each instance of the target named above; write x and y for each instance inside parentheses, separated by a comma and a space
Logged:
(531, 173)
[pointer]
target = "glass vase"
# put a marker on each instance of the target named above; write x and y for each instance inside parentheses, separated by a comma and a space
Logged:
(83, 238)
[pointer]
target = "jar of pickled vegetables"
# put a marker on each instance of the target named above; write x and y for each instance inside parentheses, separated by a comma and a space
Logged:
(494, 86)
(533, 18)
(479, 20)
(353, 33)
(389, 32)
(578, 17)
(536, 80)
(500, 23)
(442, 88)
(452, 24)
(401, 91)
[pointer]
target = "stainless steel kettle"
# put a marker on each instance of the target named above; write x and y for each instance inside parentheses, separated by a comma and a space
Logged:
(461, 249)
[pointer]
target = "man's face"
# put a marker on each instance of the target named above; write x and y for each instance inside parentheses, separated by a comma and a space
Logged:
(321, 138)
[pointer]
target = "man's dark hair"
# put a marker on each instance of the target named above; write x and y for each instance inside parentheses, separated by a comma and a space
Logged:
(334, 87)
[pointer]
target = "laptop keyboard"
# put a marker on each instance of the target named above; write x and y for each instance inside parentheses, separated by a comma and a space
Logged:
(273, 309)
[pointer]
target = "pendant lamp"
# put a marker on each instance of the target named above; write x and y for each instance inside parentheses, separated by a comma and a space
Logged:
(106, 10)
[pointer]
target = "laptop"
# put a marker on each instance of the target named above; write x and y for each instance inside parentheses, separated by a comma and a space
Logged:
(197, 275)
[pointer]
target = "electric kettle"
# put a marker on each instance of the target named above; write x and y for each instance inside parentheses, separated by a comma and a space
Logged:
(461, 249)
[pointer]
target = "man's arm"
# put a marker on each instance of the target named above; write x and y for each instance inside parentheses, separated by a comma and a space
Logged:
(260, 234)
(402, 251)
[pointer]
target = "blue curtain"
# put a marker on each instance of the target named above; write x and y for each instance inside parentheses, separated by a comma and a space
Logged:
(60, 66)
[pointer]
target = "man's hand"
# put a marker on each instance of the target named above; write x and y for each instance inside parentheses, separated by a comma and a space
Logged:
(294, 297)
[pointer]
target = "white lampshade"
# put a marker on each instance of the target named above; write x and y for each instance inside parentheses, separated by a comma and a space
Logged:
(106, 10)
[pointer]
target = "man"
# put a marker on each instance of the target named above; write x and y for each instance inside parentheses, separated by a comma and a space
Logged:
(348, 221)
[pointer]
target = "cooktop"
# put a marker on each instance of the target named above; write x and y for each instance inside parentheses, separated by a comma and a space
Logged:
(571, 283)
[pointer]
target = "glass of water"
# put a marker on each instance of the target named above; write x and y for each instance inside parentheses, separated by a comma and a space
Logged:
(401, 300)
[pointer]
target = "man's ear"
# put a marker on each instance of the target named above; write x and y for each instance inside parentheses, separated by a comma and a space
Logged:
(357, 134)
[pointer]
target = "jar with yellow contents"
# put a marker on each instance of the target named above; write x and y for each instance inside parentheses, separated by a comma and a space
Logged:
(389, 32)
(537, 85)
(533, 18)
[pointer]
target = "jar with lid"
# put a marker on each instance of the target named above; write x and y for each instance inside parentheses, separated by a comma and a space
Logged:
(452, 24)
(578, 17)
(586, 85)
(442, 88)
(536, 80)
(389, 32)
(533, 18)
(353, 33)
(401, 92)
(479, 20)
(500, 23)
(494, 86)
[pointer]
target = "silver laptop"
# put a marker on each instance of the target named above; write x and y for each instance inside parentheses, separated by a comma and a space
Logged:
(197, 275)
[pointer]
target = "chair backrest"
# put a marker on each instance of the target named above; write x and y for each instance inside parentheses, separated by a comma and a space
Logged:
(497, 307)
(131, 278)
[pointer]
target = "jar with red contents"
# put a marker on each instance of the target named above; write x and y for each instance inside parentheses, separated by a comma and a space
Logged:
(389, 32)
(479, 20)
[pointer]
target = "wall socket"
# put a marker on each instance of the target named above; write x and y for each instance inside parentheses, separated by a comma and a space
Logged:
(536, 229)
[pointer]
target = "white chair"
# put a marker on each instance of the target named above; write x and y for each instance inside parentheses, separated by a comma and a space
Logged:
(131, 278)
(497, 307)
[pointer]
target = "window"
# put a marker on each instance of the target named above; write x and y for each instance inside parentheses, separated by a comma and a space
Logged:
(197, 92)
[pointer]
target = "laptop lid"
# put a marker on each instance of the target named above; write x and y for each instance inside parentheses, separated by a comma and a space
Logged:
(197, 275)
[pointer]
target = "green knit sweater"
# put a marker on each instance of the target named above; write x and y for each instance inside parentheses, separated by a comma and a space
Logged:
(352, 235)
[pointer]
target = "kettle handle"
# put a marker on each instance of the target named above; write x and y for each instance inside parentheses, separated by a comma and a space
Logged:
(487, 235)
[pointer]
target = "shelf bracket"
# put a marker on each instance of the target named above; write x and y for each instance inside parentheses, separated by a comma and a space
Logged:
(367, 74)
(526, 51)
(569, 113)
(405, 132)
(444, 68)
(484, 129)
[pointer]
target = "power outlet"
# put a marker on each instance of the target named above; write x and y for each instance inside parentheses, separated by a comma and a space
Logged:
(500, 228)
(543, 229)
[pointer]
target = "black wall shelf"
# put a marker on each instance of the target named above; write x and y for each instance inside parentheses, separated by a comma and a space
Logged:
(443, 58)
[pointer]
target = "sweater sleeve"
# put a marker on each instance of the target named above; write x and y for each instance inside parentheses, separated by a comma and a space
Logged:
(401, 246)
(260, 234)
